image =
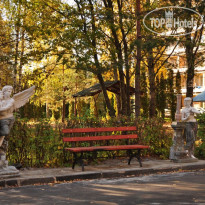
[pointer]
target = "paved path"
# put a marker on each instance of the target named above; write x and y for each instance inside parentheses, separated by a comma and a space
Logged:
(175, 188)
(106, 169)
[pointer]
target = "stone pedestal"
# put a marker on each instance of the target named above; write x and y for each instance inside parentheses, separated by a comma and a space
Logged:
(7, 171)
(178, 153)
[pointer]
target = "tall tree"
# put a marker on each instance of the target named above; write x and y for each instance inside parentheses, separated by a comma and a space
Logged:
(178, 82)
(5, 50)
(144, 93)
(161, 95)
(171, 97)
(91, 38)
(118, 47)
(155, 56)
(137, 72)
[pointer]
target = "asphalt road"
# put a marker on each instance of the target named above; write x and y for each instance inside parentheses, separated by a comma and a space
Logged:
(175, 188)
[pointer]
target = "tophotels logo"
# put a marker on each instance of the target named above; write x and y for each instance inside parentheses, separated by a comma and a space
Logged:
(173, 21)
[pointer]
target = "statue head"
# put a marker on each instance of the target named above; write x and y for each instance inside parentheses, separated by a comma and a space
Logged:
(187, 101)
(7, 90)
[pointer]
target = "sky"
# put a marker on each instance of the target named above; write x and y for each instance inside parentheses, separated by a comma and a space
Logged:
(70, 2)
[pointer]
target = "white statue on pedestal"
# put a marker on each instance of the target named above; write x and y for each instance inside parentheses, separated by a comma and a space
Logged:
(188, 112)
(7, 106)
(191, 125)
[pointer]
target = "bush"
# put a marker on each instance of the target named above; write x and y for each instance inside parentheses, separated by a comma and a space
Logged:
(152, 132)
(39, 144)
(35, 145)
(200, 141)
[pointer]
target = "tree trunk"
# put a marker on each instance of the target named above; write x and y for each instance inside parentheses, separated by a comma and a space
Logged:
(191, 45)
(190, 66)
(47, 110)
(152, 86)
(107, 101)
(122, 92)
(190, 78)
(17, 29)
(21, 61)
(95, 106)
(137, 72)
(109, 5)
(75, 108)
(64, 89)
(97, 64)
(16, 60)
(152, 109)
(126, 59)
(119, 112)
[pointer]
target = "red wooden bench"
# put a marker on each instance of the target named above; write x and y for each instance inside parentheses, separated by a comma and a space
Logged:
(78, 146)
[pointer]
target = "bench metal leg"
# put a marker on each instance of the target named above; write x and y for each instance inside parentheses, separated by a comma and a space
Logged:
(138, 157)
(130, 159)
(74, 160)
(81, 161)
(130, 154)
(78, 159)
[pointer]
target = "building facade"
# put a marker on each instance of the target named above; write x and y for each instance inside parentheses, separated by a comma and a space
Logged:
(178, 60)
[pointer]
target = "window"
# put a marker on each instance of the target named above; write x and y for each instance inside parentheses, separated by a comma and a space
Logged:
(182, 62)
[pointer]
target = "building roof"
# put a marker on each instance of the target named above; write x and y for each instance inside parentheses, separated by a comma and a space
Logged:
(200, 97)
(112, 86)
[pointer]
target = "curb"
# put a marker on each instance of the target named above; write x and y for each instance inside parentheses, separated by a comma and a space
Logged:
(95, 175)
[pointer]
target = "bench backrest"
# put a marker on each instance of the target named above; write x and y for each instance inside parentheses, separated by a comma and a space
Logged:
(99, 138)
(101, 129)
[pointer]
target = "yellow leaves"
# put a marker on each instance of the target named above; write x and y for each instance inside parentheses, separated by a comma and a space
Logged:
(198, 142)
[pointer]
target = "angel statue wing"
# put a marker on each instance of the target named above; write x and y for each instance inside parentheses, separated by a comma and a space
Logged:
(20, 99)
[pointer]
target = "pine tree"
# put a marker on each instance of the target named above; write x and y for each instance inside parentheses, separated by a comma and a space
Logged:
(160, 95)
(144, 96)
(157, 94)
(162, 102)
(171, 98)
(178, 83)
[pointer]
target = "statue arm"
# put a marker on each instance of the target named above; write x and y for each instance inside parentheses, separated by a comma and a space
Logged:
(194, 110)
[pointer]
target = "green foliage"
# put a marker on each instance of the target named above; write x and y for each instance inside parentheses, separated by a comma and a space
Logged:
(200, 141)
(152, 132)
(39, 144)
(35, 145)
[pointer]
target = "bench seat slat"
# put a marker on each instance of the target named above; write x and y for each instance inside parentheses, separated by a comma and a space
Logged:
(100, 129)
(106, 148)
(99, 138)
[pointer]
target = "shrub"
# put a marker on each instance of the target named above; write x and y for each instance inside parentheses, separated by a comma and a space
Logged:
(35, 145)
(153, 133)
(39, 144)
(200, 141)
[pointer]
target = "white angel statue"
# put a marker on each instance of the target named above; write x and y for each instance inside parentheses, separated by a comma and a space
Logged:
(9, 105)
